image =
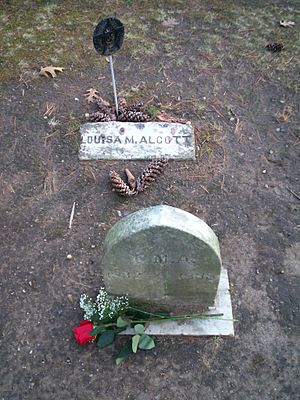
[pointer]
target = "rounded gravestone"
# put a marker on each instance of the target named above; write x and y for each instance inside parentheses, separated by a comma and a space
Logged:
(163, 256)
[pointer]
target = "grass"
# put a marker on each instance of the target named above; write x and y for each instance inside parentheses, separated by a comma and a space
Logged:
(209, 138)
(224, 35)
(71, 130)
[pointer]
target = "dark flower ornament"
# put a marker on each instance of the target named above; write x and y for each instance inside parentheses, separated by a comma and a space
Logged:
(108, 36)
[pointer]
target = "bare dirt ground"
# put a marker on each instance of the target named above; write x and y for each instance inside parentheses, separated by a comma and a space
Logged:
(205, 61)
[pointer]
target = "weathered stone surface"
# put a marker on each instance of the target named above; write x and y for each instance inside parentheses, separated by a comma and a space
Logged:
(136, 141)
(163, 256)
(223, 326)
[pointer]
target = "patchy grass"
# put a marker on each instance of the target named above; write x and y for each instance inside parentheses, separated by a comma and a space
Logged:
(71, 130)
(211, 136)
(61, 34)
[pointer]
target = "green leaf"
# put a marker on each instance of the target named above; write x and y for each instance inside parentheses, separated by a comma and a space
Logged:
(97, 330)
(106, 339)
(135, 342)
(139, 328)
(146, 343)
(127, 349)
(121, 323)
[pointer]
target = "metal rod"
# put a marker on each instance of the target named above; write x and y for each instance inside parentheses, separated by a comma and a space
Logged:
(114, 83)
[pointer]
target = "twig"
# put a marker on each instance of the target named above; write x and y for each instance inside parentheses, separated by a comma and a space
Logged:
(204, 188)
(190, 178)
(149, 101)
(79, 283)
(237, 126)
(72, 216)
(50, 109)
(22, 80)
(49, 186)
(69, 180)
(295, 194)
(223, 182)
(237, 123)
(218, 112)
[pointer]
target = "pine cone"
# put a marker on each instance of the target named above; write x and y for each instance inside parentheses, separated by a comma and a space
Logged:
(135, 107)
(100, 116)
(150, 174)
(101, 103)
(122, 103)
(133, 116)
(102, 108)
(274, 47)
(120, 186)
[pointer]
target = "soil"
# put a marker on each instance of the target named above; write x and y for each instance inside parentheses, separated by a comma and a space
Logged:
(204, 62)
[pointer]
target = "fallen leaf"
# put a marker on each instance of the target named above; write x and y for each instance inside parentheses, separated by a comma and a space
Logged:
(91, 94)
(70, 298)
(168, 118)
(170, 22)
(50, 71)
(286, 24)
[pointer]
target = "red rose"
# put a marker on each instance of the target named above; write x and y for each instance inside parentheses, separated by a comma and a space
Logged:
(81, 332)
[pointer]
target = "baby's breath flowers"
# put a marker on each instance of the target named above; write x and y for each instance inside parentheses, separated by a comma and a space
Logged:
(105, 308)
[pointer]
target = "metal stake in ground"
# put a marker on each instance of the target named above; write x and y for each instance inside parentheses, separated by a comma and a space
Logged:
(108, 39)
(114, 83)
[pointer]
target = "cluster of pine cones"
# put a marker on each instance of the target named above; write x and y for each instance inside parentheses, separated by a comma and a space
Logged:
(135, 186)
(106, 113)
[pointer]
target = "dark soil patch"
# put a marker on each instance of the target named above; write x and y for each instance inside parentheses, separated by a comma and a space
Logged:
(205, 62)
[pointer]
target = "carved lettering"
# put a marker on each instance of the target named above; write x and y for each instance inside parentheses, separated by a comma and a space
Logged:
(160, 259)
(102, 139)
(138, 258)
(117, 140)
(129, 140)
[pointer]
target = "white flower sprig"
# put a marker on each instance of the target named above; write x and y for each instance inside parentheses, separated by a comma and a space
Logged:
(106, 307)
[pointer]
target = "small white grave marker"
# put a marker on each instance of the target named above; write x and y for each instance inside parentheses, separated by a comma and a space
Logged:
(136, 141)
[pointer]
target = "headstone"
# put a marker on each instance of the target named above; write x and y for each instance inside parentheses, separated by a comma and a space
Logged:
(136, 141)
(164, 257)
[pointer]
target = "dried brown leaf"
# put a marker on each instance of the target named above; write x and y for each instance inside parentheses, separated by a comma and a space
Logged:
(170, 22)
(168, 118)
(286, 24)
(91, 94)
(50, 71)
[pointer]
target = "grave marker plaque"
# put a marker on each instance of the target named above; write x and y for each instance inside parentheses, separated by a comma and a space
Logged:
(136, 141)
(163, 256)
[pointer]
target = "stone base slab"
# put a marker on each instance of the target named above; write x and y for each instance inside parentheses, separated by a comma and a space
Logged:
(197, 326)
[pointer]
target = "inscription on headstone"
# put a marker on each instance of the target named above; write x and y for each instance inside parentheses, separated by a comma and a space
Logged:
(136, 141)
(163, 256)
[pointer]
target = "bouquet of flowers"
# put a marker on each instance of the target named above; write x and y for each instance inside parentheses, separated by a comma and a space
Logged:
(109, 315)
